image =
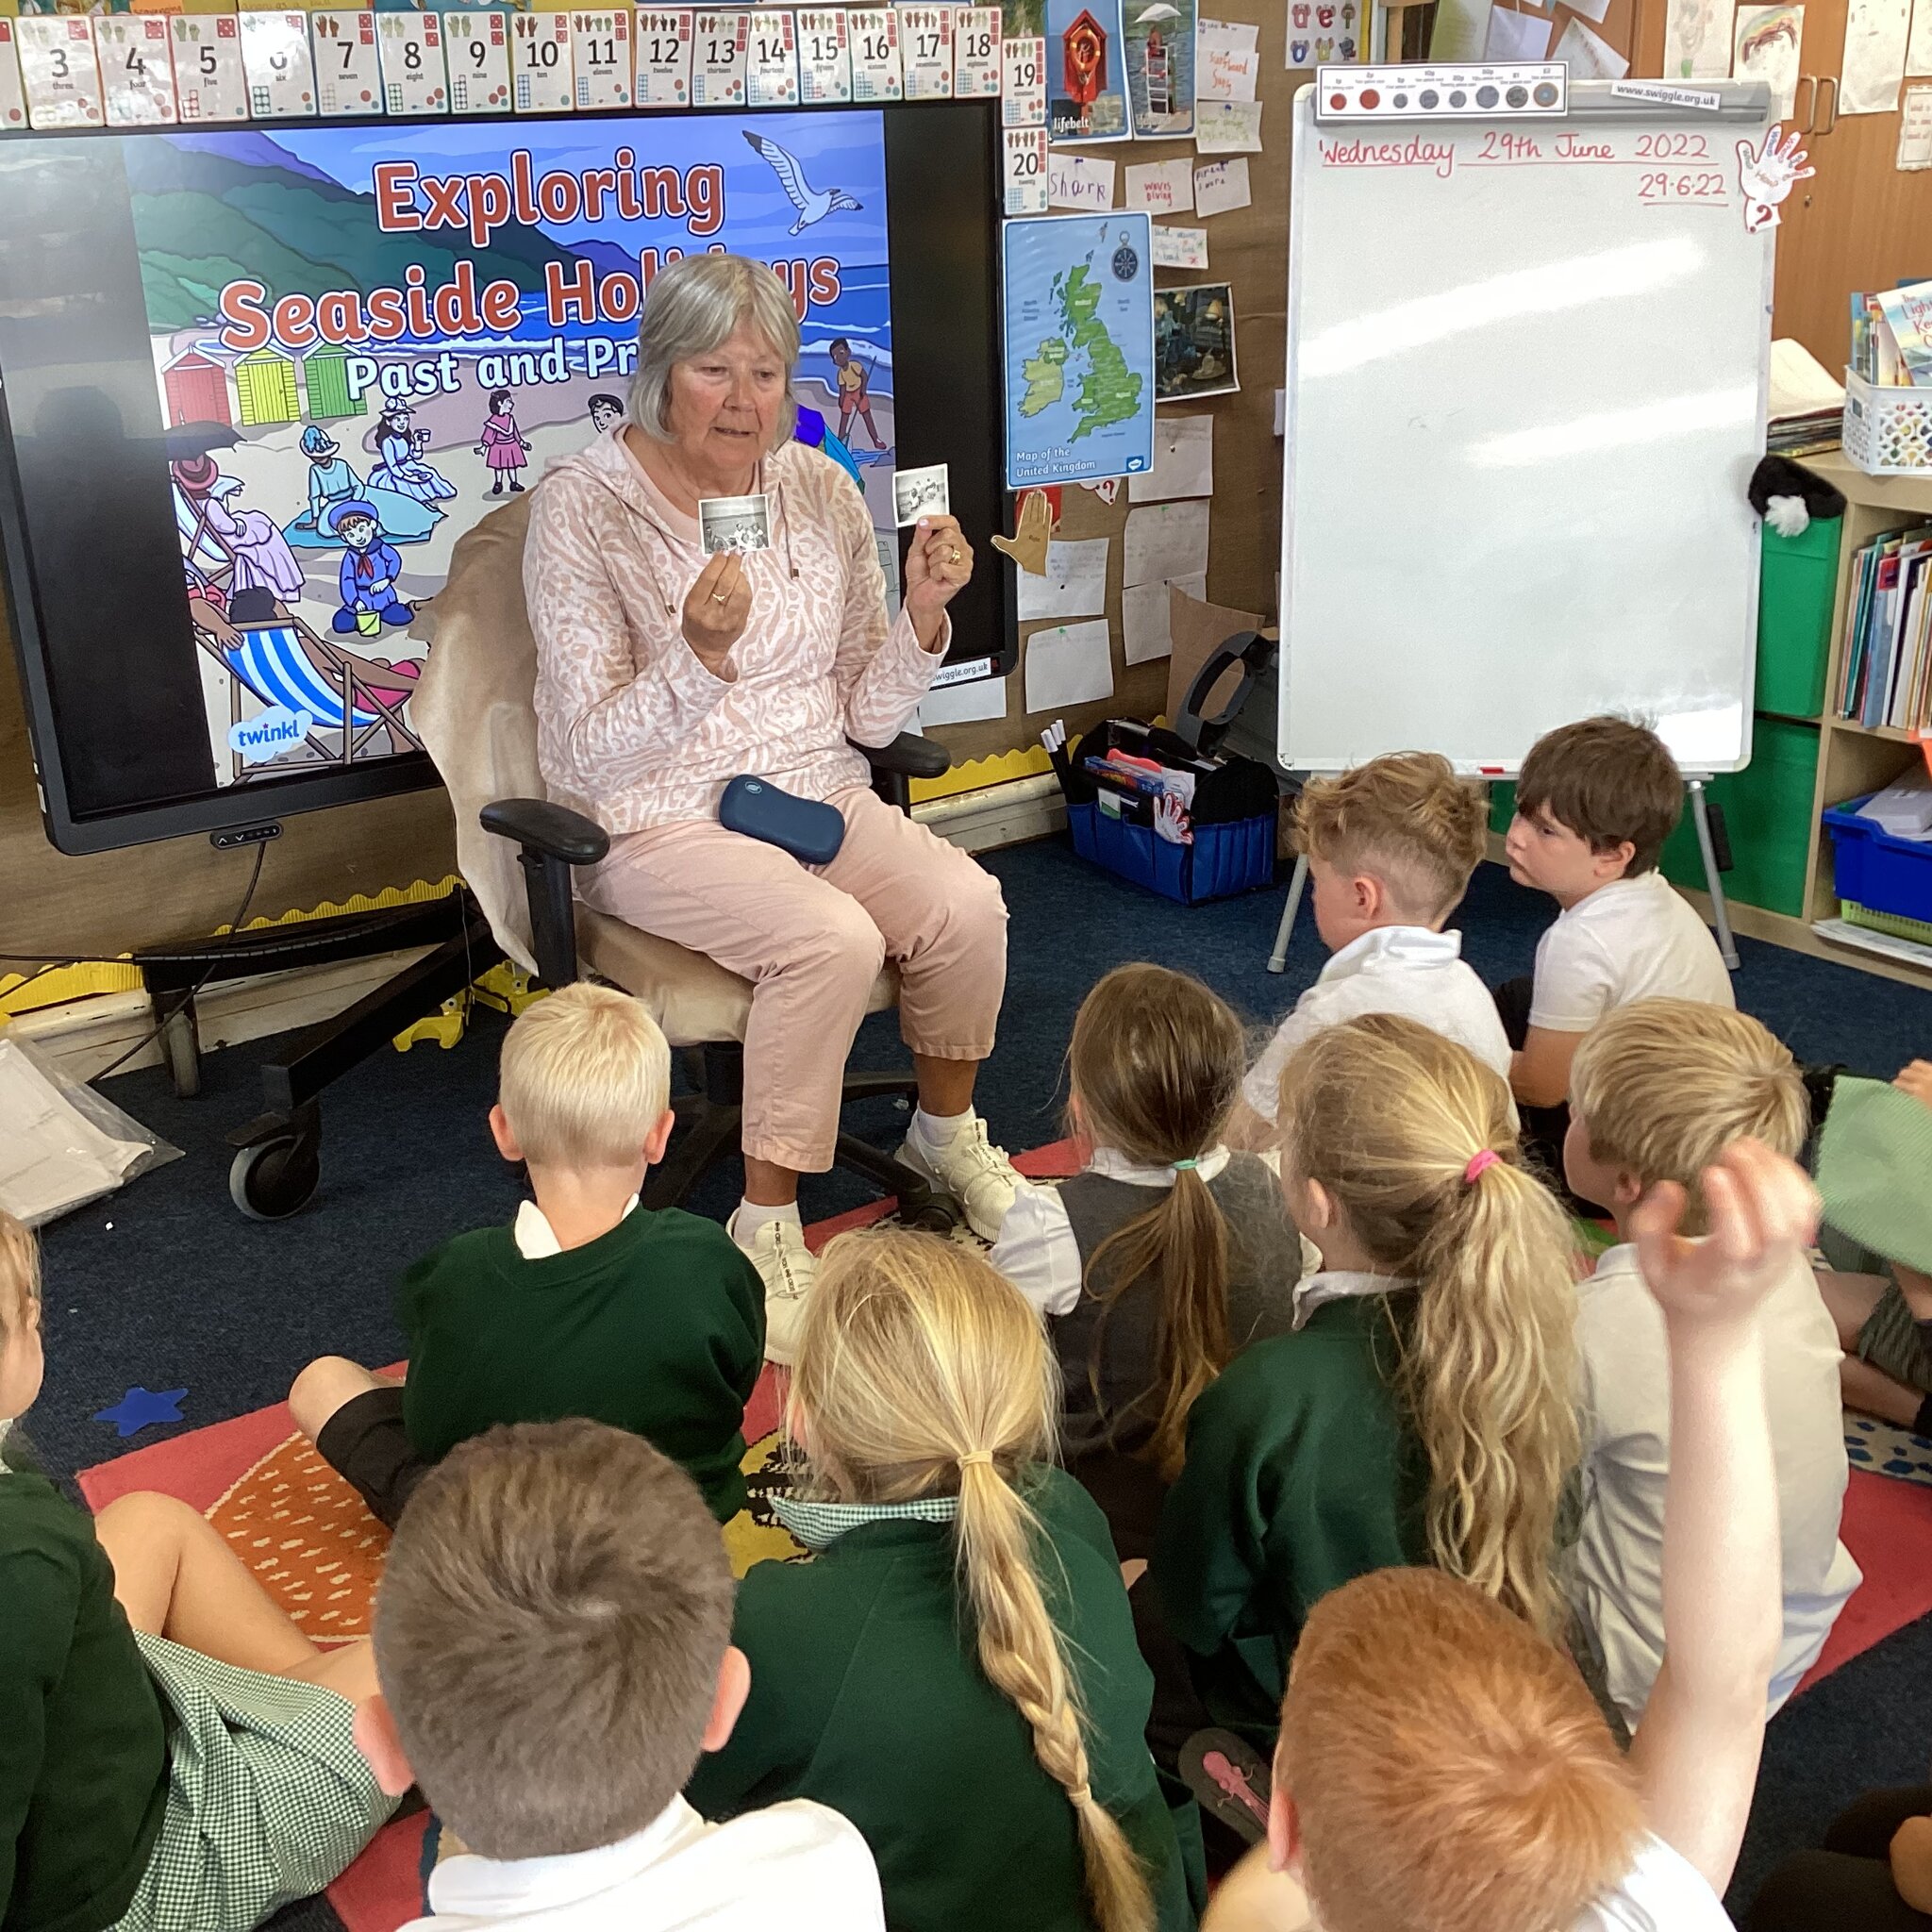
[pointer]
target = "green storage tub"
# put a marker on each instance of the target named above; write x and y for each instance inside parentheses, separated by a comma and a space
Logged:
(1798, 581)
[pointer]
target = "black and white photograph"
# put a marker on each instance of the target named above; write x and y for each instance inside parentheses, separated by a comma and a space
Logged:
(735, 522)
(920, 493)
(1193, 341)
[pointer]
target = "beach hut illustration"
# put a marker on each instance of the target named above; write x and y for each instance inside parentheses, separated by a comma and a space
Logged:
(1085, 49)
(265, 380)
(196, 388)
(326, 376)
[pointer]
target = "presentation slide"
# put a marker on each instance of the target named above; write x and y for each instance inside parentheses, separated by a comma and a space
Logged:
(366, 338)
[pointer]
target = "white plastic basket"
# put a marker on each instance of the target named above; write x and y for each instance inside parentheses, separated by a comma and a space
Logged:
(1888, 432)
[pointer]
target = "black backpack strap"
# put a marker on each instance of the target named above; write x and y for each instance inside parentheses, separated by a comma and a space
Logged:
(1254, 654)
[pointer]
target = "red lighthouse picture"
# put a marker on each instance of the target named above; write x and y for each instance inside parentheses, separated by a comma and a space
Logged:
(1085, 44)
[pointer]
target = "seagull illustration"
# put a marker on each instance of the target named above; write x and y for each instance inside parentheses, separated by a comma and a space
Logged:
(812, 205)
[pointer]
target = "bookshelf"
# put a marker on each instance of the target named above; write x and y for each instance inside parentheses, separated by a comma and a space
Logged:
(1856, 759)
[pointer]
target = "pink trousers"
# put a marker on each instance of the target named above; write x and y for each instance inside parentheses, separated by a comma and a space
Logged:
(811, 940)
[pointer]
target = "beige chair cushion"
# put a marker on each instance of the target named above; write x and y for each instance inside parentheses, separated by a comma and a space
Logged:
(473, 707)
(692, 998)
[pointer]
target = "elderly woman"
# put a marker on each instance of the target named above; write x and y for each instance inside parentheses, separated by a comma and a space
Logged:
(661, 673)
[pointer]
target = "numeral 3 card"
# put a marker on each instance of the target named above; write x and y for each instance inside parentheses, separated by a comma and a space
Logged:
(56, 68)
(209, 81)
(348, 77)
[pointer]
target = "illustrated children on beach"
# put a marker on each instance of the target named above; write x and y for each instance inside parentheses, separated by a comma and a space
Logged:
(370, 568)
(402, 468)
(503, 448)
(855, 393)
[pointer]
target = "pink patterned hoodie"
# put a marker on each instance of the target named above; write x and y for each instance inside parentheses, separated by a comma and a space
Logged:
(632, 730)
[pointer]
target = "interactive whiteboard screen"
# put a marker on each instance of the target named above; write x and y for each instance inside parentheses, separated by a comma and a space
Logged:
(1526, 373)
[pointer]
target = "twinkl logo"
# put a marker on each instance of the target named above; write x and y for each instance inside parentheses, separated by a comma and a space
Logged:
(269, 734)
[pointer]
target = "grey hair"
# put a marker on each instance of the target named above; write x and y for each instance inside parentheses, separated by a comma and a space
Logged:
(694, 305)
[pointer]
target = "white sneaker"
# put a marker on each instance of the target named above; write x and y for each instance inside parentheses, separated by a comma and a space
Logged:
(788, 1267)
(971, 1168)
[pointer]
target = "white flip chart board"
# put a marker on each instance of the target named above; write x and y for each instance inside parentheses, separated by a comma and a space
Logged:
(1526, 392)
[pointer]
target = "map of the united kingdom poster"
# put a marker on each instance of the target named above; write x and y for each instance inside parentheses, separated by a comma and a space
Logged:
(1079, 348)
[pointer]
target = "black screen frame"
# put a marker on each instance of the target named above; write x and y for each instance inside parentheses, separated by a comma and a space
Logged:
(943, 197)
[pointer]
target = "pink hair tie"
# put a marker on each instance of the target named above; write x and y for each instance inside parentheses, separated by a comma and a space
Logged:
(1479, 1164)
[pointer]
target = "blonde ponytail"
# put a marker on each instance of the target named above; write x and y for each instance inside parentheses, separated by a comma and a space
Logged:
(1155, 1065)
(921, 1371)
(1412, 1139)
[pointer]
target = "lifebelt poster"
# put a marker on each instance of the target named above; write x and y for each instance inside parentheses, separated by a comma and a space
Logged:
(366, 338)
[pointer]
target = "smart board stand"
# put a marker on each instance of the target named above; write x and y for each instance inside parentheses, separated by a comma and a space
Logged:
(1706, 845)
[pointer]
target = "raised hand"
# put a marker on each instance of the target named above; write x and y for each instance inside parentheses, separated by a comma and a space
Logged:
(1763, 1212)
(716, 610)
(1768, 174)
(937, 563)
(1916, 1080)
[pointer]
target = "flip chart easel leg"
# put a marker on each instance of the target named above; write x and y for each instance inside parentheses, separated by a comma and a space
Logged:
(1277, 959)
(1713, 879)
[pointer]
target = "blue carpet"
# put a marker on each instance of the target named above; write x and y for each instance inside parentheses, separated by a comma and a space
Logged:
(167, 1286)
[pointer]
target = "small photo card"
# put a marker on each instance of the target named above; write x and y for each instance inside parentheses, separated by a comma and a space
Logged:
(824, 56)
(600, 49)
(1193, 341)
(876, 75)
(209, 81)
(274, 57)
(348, 77)
(664, 43)
(717, 78)
(735, 522)
(413, 78)
(476, 46)
(137, 70)
(920, 493)
(541, 64)
(58, 70)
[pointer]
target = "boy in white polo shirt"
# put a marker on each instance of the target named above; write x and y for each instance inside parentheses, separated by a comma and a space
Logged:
(553, 1638)
(1391, 847)
(1658, 1090)
(1594, 803)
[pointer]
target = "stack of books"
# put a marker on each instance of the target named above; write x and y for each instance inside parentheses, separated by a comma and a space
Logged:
(1891, 337)
(1808, 407)
(1887, 673)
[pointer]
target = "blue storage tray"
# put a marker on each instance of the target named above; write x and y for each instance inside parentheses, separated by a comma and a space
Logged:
(1223, 860)
(1875, 870)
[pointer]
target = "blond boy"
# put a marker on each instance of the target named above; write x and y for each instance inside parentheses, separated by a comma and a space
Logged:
(553, 1638)
(649, 1320)
(1391, 847)
(1659, 1089)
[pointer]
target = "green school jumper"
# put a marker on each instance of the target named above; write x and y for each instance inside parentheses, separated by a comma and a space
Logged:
(1301, 1475)
(866, 1694)
(83, 1749)
(657, 1328)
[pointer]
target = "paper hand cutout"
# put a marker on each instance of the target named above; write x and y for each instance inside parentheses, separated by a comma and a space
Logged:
(1171, 820)
(1027, 546)
(1767, 176)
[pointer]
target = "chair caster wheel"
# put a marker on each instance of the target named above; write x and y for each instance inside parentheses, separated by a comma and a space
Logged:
(937, 1214)
(277, 1178)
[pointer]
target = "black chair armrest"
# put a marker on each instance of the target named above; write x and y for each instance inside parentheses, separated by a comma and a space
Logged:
(553, 839)
(551, 831)
(908, 755)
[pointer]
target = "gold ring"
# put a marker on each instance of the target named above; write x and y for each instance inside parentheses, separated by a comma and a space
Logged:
(719, 597)
(953, 555)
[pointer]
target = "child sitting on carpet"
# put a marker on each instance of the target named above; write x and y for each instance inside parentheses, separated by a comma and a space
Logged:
(1424, 1409)
(1164, 1258)
(173, 1752)
(1442, 1768)
(650, 1320)
(553, 1636)
(1875, 1169)
(961, 1579)
(1658, 1091)
(1594, 803)
(1391, 848)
